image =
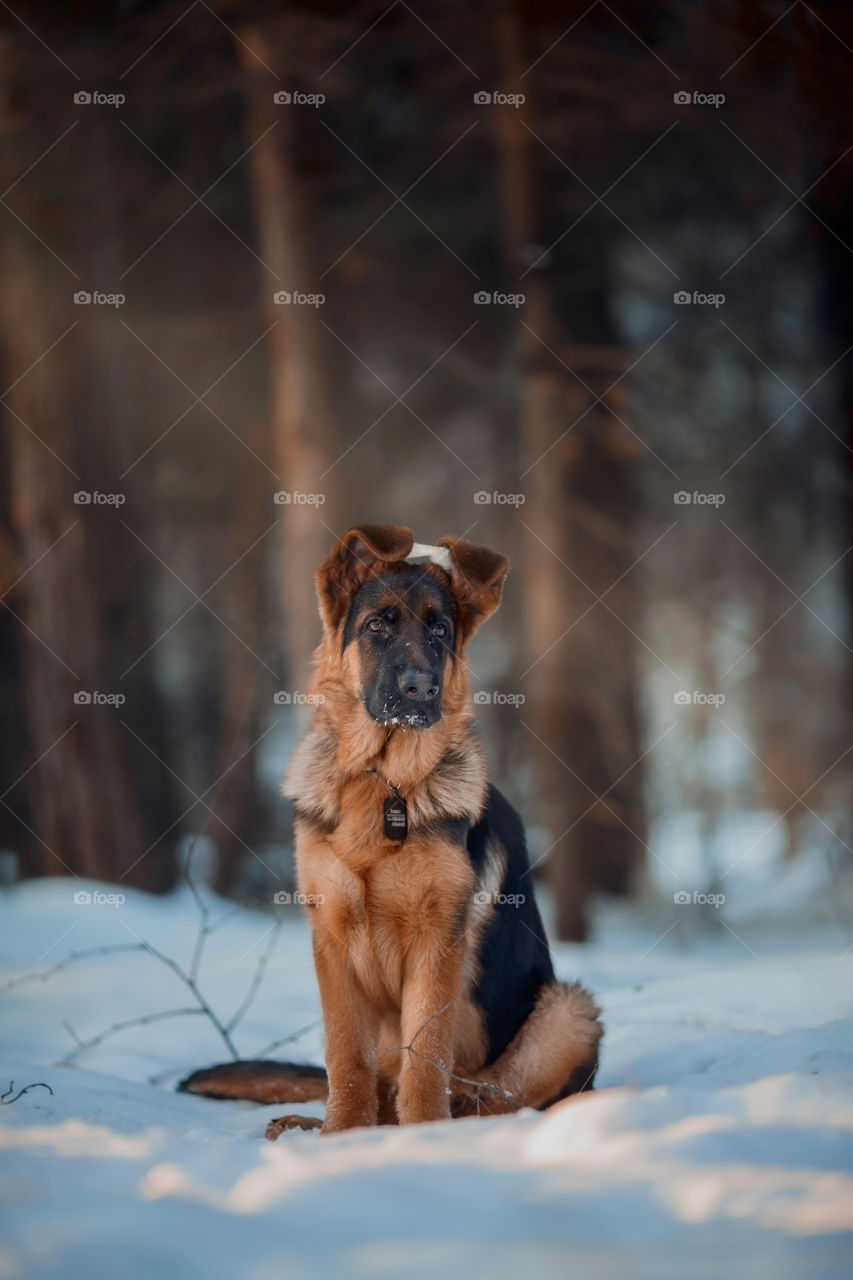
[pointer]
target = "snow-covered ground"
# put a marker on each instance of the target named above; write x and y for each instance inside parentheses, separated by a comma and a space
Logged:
(720, 1142)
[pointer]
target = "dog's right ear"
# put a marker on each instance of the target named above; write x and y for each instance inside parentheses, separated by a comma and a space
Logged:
(349, 563)
(477, 582)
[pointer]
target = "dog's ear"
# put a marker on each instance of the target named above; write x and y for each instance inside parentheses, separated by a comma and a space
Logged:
(349, 563)
(477, 582)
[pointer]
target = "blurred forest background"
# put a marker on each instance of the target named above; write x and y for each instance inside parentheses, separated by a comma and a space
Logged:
(666, 691)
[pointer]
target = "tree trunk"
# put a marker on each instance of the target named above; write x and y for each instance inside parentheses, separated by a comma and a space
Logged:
(237, 802)
(546, 589)
(580, 686)
(108, 398)
(81, 812)
(301, 416)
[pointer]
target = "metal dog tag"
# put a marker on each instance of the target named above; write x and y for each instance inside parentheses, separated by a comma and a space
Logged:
(396, 818)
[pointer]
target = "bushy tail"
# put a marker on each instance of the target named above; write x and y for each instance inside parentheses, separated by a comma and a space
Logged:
(260, 1082)
(551, 1057)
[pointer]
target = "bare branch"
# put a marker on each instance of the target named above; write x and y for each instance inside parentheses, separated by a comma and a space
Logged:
(432, 1017)
(204, 910)
(6, 1101)
(141, 1021)
(191, 984)
(256, 980)
(71, 958)
(186, 979)
(73, 1034)
(477, 1085)
(277, 1044)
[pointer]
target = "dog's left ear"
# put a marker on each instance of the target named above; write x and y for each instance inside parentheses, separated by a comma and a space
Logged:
(350, 562)
(477, 582)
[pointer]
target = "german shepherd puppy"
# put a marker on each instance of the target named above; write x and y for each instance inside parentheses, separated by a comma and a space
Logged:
(438, 992)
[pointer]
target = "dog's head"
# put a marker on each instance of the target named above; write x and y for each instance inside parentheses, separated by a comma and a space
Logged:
(400, 615)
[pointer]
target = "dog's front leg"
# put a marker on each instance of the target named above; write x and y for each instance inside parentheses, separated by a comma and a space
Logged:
(428, 1022)
(351, 1039)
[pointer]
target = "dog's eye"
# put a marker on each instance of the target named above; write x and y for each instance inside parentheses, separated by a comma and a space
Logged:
(439, 630)
(375, 624)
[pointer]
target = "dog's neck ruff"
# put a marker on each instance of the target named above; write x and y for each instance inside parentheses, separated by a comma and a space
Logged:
(453, 785)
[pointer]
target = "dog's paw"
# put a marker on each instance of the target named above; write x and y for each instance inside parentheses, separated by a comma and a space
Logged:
(276, 1127)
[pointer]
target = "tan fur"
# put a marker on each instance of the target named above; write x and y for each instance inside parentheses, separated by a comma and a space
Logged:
(260, 1082)
(276, 1128)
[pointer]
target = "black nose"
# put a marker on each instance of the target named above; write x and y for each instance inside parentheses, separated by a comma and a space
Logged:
(418, 686)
